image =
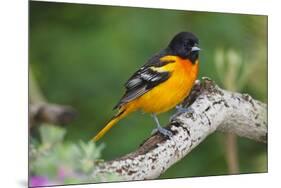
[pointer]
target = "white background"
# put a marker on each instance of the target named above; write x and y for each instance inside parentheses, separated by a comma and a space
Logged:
(14, 79)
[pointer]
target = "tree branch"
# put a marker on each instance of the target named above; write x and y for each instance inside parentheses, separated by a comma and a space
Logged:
(50, 113)
(213, 109)
(42, 111)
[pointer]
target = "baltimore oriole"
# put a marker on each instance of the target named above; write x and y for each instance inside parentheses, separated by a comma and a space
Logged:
(162, 83)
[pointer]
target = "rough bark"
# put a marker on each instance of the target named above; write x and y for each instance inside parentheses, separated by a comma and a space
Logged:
(214, 109)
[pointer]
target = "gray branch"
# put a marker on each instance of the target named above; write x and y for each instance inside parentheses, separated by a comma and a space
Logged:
(40, 111)
(214, 109)
(50, 113)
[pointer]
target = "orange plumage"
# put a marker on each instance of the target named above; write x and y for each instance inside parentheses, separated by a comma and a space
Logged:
(171, 92)
(162, 83)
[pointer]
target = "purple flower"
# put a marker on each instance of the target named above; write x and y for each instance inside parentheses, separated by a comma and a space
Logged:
(62, 173)
(39, 181)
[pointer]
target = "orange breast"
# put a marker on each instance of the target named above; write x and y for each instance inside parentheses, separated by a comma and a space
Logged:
(171, 92)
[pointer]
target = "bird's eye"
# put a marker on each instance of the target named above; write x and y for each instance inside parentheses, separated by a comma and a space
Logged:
(188, 44)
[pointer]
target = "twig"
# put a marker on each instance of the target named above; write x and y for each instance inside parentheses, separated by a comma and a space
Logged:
(41, 111)
(50, 113)
(231, 153)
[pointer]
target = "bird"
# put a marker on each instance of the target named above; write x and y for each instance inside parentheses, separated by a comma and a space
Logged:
(162, 83)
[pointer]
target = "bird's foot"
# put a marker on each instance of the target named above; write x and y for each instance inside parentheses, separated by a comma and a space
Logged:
(165, 132)
(180, 110)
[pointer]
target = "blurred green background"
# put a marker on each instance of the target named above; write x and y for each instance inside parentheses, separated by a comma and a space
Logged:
(81, 55)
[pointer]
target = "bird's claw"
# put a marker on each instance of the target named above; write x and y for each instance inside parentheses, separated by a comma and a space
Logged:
(181, 110)
(165, 132)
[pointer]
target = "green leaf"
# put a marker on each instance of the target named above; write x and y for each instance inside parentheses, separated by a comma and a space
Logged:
(51, 134)
(89, 152)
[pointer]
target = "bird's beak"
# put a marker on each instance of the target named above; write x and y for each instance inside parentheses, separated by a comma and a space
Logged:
(195, 48)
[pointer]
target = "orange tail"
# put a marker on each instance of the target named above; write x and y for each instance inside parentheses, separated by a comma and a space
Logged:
(120, 115)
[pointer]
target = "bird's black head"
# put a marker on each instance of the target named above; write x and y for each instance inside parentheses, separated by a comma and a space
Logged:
(185, 45)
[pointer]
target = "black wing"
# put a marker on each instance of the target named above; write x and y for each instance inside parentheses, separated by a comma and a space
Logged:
(144, 80)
